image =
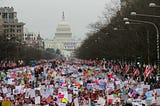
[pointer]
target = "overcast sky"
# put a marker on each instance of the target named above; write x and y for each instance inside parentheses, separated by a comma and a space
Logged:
(44, 15)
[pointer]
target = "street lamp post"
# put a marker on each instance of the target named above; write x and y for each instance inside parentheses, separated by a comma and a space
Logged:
(144, 15)
(157, 32)
(117, 29)
(154, 5)
(156, 27)
(147, 32)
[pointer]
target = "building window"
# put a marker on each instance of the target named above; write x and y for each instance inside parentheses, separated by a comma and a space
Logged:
(18, 26)
(18, 30)
(11, 15)
(5, 26)
(4, 15)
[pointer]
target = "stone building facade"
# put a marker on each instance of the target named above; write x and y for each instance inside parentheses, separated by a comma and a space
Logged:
(63, 39)
(11, 26)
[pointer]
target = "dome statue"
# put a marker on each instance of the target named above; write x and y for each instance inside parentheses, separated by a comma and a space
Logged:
(63, 29)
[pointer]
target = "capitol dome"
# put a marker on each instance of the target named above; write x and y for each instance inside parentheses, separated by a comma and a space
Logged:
(63, 27)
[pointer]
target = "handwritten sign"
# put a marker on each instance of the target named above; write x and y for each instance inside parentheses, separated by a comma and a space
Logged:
(37, 100)
(137, 102)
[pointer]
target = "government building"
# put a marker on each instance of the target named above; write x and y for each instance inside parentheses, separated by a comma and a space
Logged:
(63, 39)
(11, 27)
(1, 26)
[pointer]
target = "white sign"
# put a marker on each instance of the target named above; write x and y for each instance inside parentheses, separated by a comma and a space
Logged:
(158, 101)
(10, 81)
(137, 102)
(37, 100)
(32, 93)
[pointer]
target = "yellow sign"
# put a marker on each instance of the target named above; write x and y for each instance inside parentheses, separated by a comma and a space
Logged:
(6, 103)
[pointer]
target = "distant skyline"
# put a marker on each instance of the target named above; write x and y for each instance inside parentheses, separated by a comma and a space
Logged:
(44, 15)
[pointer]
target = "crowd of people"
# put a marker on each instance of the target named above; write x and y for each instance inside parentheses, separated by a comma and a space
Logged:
(60, 83)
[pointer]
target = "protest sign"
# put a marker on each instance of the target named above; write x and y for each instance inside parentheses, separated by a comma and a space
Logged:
(139, 90)
(10, 81)
(76, 103)
(37, 100)
(8, 95)
(158, 101)
(117, 100)
(61, 104)
(1, 98)
(6, 103)
(146, 86)
(48, 100)
(148, 102)
(70, 98)
(32, 93)
(60, 96)
(4, 89)
(148, 94)
(110, 98)
(16, 91)
(27, 94)
(158, 92)
(137, 102)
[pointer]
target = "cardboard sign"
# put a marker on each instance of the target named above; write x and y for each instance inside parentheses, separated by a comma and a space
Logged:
(148, 102)
(146, 87)
(32, 93)
(37, 100)
(48, 100)
(6, 103)
(41, 91)
(16, 91)
(10, 81)
(140, 90)
(43, 87)
(4, 90)
(137, 102)
(1, 98)
(8, 95)
(60, 96)
(110, 98)
(76, 103)
(158, 101)
(18, 88)
(148, 94)
(117, 82)
(61, 104)
(27, 94)
(158, 92)
(12, 97)
(70, 98)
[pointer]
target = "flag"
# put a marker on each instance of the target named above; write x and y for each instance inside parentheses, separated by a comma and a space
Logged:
(148, 70)
(126, 68)
(136, 71)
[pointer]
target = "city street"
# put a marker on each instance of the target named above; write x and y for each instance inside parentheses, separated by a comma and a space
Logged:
(79, 83)
(79, 53)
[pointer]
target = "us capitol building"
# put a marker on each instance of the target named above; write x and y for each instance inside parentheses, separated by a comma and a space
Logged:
(63, 39)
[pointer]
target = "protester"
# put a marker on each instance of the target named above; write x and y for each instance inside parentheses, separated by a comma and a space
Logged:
(82, 84)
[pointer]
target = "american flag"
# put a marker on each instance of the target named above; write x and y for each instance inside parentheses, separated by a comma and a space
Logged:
(136, 71)
(148, 70)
